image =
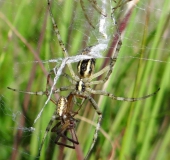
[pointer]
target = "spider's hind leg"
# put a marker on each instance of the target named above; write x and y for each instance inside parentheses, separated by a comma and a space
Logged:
(94, 104)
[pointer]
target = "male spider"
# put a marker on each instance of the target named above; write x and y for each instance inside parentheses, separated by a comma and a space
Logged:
(66, 123)
(95, 6)
(64, 115)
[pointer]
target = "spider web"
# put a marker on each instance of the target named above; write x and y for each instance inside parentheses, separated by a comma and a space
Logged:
(18, 57)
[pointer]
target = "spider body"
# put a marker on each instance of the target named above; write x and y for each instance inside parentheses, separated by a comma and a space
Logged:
(62, 106)
(86, 67)
(80, 86)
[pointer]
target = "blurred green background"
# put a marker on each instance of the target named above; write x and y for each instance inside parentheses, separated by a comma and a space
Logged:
(138, 130)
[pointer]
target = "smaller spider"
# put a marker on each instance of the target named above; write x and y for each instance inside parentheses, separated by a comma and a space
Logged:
(66, 123)
(63, 114)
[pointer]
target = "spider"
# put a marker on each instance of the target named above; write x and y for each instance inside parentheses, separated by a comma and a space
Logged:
(64, 115)
(66, 123)
(81, 85)
(96, 7)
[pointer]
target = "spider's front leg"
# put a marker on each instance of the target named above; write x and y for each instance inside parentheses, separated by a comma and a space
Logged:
(98, 9)
(113, 60)
(57, 32)
(86, 16)
(40, 93)
(71, 80)
(107, 69)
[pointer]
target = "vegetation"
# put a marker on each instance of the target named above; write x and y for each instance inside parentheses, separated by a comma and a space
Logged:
(138, 130)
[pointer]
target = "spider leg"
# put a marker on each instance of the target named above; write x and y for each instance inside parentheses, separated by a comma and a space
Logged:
(48, 79)
(84, 11)
(120, 3)
(60, 127)
(72, 80)
(56, 127)
(67, 138)
(63, 144)
(109, 68)
(115, 54)
(105, 69)
(63, 89)
(46, 92)
(70, 98)
(79, 104)
(56, 30)
(62, 132)
(114, 58)
(74, 136)
(40, 93)
(72, 131)
(100, 92)
(63, 135)
(94, 104)
(47, 130)
(98, 9)
(27, 92)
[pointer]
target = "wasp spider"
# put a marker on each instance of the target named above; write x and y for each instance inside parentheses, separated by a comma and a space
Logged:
(65, 117)
(66, 122)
